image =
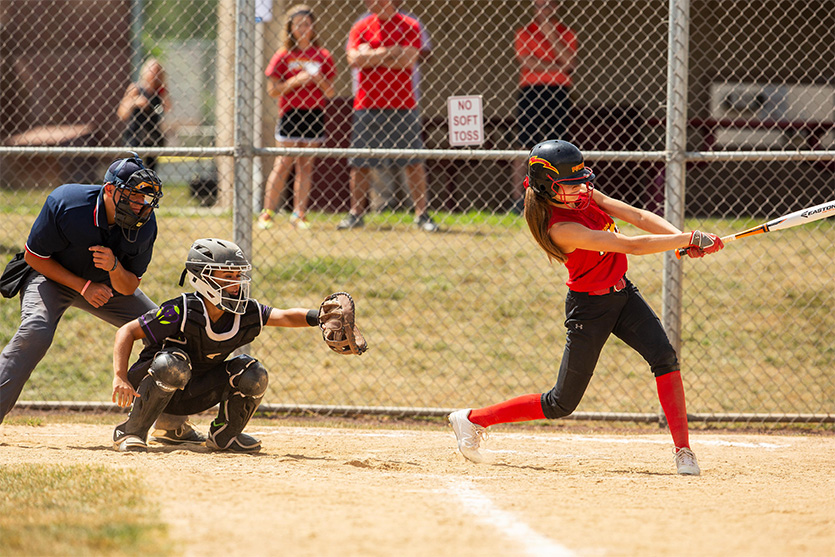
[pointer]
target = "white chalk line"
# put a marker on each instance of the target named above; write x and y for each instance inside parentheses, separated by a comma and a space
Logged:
(521, 436)
(483, 509)
(314, 432)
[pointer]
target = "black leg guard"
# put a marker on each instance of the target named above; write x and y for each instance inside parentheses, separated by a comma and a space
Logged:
(169, 371)
(225, 434)
(249, 382)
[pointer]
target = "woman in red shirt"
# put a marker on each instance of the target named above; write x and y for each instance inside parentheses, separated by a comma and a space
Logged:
(301, 78)
(573, 224)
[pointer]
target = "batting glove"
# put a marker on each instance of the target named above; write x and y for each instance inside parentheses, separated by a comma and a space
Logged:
(703, 243)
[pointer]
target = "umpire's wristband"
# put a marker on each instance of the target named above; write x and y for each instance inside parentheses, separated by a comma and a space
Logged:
(312, 317)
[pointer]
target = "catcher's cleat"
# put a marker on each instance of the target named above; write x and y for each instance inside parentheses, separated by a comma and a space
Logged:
(243, 443)
(686, 462)
(351, 221)
(468, 434)
(183, 435)
(127, 443)
(425, 223)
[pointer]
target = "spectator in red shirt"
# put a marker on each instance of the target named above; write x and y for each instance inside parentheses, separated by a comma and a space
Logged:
(384, 47)
(301, 77)
(546, 51)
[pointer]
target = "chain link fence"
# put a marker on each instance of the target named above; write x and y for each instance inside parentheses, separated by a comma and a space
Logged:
(717, 114)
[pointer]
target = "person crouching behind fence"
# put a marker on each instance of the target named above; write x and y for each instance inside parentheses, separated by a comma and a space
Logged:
(183, 368)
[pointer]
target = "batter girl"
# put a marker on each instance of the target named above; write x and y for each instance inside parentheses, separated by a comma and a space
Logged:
(574, 224)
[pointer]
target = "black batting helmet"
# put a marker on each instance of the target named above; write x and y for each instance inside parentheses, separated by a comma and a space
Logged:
(556, 163)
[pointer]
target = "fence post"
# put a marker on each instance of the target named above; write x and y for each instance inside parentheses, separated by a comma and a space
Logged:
(244, 123)
(675, 175)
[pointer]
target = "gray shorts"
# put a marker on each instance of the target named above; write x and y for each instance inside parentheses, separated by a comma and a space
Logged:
(385, 129)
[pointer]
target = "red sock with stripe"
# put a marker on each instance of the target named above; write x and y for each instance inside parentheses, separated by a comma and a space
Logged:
(520, 409)
(671, 395)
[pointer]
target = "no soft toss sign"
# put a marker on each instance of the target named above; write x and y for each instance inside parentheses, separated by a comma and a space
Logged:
(466, 120)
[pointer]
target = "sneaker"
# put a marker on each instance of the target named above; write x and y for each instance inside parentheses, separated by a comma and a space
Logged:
(299, 223)
(243, 443)
(686, 462)
(265, 219)
(127, 443)
(425, 223)
(468, 434)
(183, 435)
(351, 221)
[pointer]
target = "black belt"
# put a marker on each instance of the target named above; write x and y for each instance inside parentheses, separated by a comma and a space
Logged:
(619, 285)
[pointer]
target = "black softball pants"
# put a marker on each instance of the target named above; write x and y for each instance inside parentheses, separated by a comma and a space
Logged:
(589, 322)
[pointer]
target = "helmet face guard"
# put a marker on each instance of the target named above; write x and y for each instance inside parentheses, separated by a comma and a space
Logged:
(227, 294)
(135, 197)
(578, 201)
(208, 256)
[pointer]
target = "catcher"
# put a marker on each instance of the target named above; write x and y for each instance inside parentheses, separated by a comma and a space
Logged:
(184, 369)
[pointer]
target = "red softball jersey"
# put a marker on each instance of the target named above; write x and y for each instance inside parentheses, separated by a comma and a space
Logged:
(381, 86)
(286, 64)
(531, 41)
(591, 270)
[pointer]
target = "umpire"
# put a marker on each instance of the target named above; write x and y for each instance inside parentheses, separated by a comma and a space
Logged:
(88, 248)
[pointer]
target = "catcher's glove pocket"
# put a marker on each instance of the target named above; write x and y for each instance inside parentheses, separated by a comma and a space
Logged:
(337, 321)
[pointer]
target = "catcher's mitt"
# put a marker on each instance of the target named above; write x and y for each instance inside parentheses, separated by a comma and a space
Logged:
(336, 319)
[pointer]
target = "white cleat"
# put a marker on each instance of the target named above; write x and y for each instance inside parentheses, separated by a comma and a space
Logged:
(686, 462)
(468, 434)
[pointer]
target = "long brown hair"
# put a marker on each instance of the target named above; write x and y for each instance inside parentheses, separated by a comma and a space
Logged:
(538, 215)
(299, 9)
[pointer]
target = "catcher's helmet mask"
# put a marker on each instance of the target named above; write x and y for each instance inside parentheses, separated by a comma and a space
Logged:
(554, 165)
(208, 255)
(133, 181)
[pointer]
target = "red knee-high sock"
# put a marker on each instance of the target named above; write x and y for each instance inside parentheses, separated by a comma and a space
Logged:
(671, 395)
(520, 409)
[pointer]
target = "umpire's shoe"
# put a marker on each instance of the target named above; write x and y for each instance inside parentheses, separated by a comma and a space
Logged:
(183, 435)
(128, 443)
(243, 443)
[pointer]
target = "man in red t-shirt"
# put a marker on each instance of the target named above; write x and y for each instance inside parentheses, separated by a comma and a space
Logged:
(384, 48)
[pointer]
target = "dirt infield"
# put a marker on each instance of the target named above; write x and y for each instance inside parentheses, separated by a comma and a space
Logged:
(372, 492)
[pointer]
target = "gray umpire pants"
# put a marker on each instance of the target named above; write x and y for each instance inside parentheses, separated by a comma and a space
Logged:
(42, 304)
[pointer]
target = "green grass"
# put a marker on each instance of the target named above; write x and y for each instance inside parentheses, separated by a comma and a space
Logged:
(77, 510)
(475, 314)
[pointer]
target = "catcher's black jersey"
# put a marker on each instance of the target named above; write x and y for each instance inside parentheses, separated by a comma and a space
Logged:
(184, 323)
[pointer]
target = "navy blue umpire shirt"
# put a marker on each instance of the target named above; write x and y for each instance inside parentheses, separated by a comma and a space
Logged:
(72, 220)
